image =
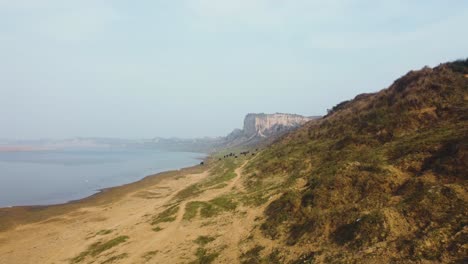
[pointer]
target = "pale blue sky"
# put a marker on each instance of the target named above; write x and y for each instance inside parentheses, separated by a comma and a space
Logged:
(190, 68)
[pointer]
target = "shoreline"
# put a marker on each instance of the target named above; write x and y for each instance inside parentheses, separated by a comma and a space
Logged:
(83, 194)
(136, 216)
(13, 216)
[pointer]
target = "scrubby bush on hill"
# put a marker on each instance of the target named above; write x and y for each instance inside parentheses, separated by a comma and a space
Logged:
(386, 174)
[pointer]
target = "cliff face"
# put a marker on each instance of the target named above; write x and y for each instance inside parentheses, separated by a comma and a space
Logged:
(264, 128)
(265, 125)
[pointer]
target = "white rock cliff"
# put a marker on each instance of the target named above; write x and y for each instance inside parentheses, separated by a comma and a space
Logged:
(265, 125)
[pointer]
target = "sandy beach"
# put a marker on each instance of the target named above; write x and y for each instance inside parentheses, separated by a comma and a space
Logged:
(126, 222)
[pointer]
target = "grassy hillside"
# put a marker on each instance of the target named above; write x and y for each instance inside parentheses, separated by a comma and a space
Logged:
(382, 177)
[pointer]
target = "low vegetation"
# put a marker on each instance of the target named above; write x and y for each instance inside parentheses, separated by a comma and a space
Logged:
(149, 255)
(100, 233)
(384, 173)
(252, 256)
(99, 247)
(220, 173)
(223, 172)
(211, 208)
(114, 259)
(168, 215)
(204, 256)
(156, 229)
(203, 240)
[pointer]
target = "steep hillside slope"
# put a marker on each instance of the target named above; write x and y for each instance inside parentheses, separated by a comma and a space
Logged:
(382, 177)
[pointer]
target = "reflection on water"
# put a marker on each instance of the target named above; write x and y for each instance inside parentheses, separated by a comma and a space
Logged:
(50, 177)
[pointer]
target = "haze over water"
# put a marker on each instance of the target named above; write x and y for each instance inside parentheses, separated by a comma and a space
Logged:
(51, 177)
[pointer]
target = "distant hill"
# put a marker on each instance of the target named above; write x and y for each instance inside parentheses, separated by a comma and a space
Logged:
(381, 179)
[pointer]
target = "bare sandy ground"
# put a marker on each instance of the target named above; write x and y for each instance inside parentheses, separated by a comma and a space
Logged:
(67, 232)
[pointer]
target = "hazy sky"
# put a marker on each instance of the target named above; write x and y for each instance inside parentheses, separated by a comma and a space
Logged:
(196, 67)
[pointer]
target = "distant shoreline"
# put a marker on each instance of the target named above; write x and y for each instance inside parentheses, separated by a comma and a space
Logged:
(9, 149)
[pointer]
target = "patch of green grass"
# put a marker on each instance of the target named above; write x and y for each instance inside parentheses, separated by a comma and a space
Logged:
(157, 229)
(219, 186)
(100, 233)
(115, 258)
(280, 211)
(167, 215)
(364, 231)
(225, 202)
(275, 257)
(80, 257)
(188, 192)
(218, 179)
(211, 208)
(191, 209)
(149, 255)
(254, 199)
(221, 172)
(204, 257)
(218, 205)
(203, 240)
(99, 247)
(305, 259)
(104, 232)
(252, 256)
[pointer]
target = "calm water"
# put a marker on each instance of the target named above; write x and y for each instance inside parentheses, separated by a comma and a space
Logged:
(50, 177)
